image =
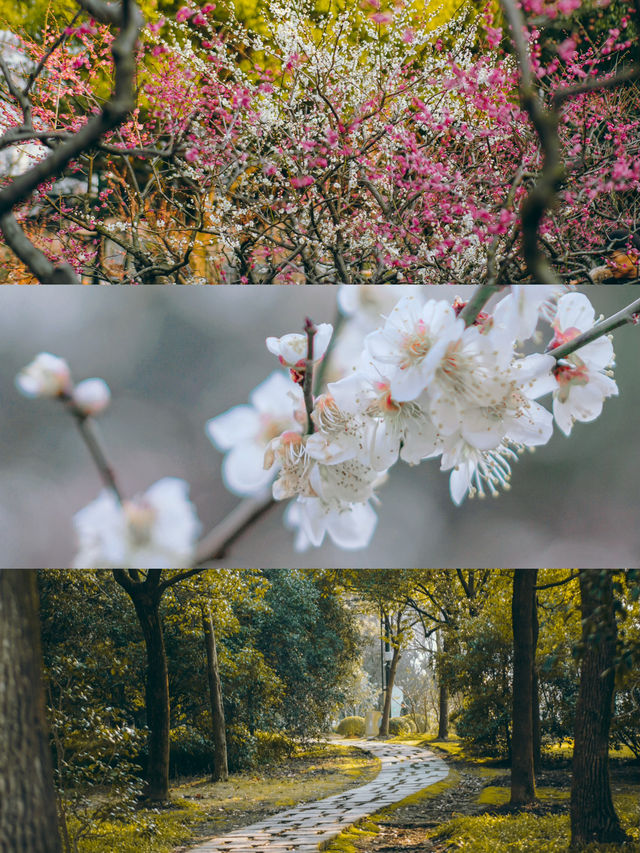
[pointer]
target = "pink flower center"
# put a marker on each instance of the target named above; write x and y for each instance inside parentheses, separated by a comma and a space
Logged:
(575, 373)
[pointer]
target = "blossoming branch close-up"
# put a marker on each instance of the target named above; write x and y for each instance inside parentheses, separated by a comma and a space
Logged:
(461, 381)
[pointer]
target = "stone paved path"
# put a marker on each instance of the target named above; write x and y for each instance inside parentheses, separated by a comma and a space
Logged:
(405, 770)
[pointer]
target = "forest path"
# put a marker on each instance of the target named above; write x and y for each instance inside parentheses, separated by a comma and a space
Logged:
(405, 770)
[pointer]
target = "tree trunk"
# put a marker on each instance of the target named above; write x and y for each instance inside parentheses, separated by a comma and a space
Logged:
(443, 712)
(28, 820)
(220, 766)
(443, 696)
(537, 738)
(146, 601)
(386, 710)
(593, 817)
(522, 608)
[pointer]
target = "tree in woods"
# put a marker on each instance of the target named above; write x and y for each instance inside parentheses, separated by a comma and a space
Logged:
(593, 816)
(524, 621)
(442, 600)
(220, 764)
(28, 819)
(146, 591)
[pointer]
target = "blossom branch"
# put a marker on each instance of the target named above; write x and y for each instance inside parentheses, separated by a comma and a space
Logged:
(307, 382)
(543, 192)
(630, 314)
(481, 295)
(214, 545)
(88, 431)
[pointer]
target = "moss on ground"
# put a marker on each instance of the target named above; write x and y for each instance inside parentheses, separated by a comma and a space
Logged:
(493, 795)
(529, 833)
(200, 808)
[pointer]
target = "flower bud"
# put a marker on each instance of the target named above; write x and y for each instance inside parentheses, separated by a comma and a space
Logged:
(291, 349)
(91, 396)
(46, 376)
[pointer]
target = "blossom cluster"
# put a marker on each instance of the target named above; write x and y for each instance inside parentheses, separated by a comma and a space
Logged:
(406, 377)
(425, 384)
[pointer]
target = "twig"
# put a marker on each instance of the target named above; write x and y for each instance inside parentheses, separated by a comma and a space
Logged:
(543, 193)
(214, 545)
(307, 382)
(481, 295)
(89, 433)
(630, 314)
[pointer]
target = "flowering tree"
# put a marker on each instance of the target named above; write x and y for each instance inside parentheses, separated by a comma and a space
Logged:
(437, 380)
(412, 152)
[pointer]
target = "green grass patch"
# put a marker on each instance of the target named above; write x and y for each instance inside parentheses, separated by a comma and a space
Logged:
(565, 750)
(200, 808)
(149, 831)
(528, 833)
(498, 796)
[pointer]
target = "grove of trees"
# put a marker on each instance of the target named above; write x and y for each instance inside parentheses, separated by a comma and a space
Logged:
(147, 676)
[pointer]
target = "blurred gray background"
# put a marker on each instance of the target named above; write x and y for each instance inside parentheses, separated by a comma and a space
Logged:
(175, 357)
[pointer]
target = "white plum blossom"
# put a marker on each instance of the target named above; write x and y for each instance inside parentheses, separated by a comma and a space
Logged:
(412, 343)
(582, 380)
(519, 312)
(156, 530)
(46, 376)
(244, 432)
(291, 349)
(341, 433)
(394, 428)
(475, 471)
(91, 396)
(287, 453)
(350, 526)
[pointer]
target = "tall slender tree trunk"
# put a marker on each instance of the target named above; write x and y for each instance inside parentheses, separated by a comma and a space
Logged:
(593, 817)
(537, 738)
(443, 711)
(391, 677)
(443, 695)
(146, 598)
(220, 766)
(523, 604)
(28, 820)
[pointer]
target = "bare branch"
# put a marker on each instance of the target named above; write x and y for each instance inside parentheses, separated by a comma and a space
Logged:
(36, 261)
(214, 545)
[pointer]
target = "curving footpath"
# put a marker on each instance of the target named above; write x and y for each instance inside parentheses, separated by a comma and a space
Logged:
(405, 770)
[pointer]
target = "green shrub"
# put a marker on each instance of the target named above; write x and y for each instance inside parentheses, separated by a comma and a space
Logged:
(272, 747)
(351, 727)
(242, 747)
(421, 722)
(401, 726)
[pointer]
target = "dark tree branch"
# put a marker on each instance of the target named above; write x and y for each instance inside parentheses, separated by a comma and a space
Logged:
(39, 264)
(214, 545)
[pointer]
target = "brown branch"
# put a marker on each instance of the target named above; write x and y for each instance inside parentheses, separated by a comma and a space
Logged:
(214, 545)
(35, 260)
(307, 382)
